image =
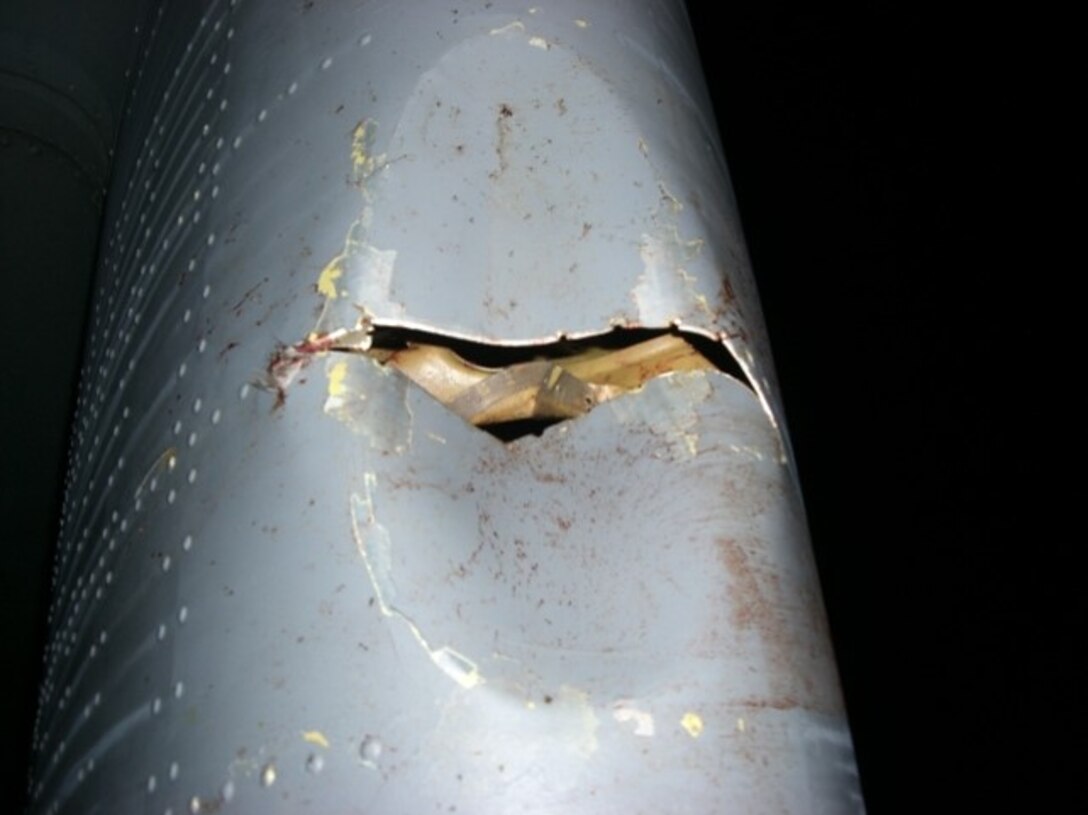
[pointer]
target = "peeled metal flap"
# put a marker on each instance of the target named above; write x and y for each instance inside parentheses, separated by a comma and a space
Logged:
(564, 173)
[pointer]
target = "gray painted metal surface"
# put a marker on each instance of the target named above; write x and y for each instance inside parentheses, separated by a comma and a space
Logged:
(297, 582)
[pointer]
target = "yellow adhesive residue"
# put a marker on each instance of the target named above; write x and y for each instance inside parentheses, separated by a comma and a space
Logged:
(693, 723)
(337, 374)
(326, 281)
(360, 159)
(315, 737)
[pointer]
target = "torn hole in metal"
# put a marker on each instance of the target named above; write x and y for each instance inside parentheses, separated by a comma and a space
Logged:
(514, 390)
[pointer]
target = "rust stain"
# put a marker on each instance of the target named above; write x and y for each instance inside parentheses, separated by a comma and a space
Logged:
(751, 607)
(788, 618)
(288, 361)
(757, 604)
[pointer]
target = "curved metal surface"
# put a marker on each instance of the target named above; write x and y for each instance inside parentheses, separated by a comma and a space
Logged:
(289, 580)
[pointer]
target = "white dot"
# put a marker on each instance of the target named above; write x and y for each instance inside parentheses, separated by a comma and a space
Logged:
(166, 563)
(197, 405)
(187, 544)
(192, 475)
(187, 316)
(211, 235)
(179, 690)
(177, 427)
(237, 142)
(174, 771)
(243, 391)
(192, 439)
(151, 783)
(292, 88)
(161, 633)
(227, 793)
(156, 706)
(182, 369)
(326, 63)
(262, 115)
(183, 614)
(202, 346)
(171, 496)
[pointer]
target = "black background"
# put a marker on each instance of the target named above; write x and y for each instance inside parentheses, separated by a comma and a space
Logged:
(871, 151)
(882, 163)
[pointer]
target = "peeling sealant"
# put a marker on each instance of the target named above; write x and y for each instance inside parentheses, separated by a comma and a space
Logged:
(376, 549)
